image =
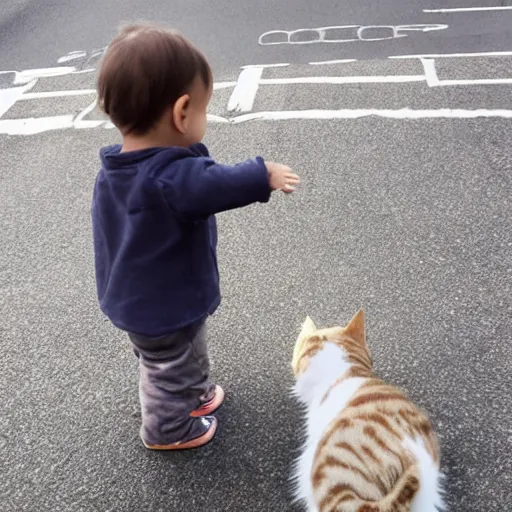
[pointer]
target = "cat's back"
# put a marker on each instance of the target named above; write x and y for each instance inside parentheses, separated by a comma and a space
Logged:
(363, 451)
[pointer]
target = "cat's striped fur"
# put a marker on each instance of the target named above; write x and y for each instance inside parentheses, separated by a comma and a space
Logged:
(368, 448)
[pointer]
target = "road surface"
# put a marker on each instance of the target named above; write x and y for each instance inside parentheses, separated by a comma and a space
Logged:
(405, 210)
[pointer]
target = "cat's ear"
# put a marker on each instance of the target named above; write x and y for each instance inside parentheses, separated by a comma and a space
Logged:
(355, 328)
(308, 328)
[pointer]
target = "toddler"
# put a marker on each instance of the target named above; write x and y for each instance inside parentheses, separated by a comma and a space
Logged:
(154, 228)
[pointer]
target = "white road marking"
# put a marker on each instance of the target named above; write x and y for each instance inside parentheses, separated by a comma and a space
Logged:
(343, 33)
(31, 126)
(223, 85)
(429, 66)
(405, 113)
(22, 77)
(217, 119)
(244, 93)
(91, 123)
(34, 125)
(71, 56)
(55, 94)
(8, 97)
(279, 65)
(452, 55)
(480, 81)
(343, 79)
(470, 9)
(326, 62)
(28, 75)
(243, 96)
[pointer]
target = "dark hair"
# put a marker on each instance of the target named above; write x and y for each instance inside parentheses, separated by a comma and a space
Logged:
(145, 69)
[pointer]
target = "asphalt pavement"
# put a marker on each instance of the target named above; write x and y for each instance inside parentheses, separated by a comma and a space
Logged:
(34, 33)
(406, 213)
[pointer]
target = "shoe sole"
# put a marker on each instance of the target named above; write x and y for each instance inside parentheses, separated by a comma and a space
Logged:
(193, 443)
(211, 407)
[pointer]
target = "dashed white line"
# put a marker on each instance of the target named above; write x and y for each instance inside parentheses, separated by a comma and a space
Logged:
(469, 9)
(325, 62)
(279, 65)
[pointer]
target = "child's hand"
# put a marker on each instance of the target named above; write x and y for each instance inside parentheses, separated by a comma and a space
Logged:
(281, 177)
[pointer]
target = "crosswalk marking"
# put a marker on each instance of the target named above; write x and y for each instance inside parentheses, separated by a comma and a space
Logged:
(251, 83)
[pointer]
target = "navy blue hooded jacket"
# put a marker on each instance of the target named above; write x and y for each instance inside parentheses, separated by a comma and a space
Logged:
(155, 234)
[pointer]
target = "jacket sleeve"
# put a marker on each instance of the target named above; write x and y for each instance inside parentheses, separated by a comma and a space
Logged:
(202, 187)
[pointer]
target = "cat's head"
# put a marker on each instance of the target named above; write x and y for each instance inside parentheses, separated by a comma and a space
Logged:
(350, 338)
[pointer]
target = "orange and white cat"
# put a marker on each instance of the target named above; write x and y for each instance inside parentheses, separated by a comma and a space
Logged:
(368, 447)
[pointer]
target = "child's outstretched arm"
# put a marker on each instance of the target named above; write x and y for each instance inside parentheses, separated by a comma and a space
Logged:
(205, 188)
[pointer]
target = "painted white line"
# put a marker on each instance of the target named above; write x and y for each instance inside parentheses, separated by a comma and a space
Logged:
(470, 9)
(243, 96)
(423, 28)
(216, 119)
(88, 70)
(405, 113)
(482, 81)
(26, 76)
(22, 77)
(429, 66)
(8, 97)
(85, 92)
(71, 56)
(281, 65)
(79, 120)
(223, 85)
(452, 55)
(56, 94)
(32, 126)
(343, 79)
(341, 61)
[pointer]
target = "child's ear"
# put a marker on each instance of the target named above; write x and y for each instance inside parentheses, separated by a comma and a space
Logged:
(179, 113)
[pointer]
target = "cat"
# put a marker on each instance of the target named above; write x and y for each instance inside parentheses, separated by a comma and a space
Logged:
(368, 447)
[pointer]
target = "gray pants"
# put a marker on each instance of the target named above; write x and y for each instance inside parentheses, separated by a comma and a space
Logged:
(174, 380)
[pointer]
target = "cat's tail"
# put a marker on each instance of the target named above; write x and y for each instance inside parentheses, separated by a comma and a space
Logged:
(408, 494)
(400, 497)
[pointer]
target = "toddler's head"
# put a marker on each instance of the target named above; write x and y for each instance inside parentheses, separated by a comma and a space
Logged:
(155, 86)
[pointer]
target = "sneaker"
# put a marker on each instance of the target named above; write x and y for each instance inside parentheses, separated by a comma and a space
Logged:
(209, 422)
(211, 405)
